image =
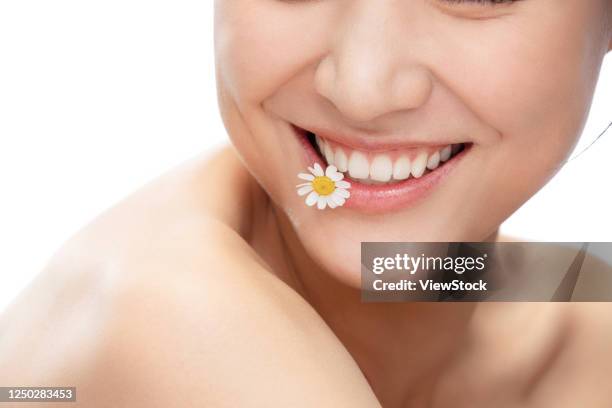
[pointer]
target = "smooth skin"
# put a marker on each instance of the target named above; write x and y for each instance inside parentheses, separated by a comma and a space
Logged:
(516, 80)
(179, 297)
(164, 301)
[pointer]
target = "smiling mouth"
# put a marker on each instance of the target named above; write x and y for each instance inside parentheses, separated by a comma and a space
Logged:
(384, 178)
(386, 167)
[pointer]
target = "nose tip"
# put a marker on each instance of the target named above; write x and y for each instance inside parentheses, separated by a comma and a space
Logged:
(365, 90)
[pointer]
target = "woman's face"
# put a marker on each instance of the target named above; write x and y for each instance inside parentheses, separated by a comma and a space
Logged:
(388, 87)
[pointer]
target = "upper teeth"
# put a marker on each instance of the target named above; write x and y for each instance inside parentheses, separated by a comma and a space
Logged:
(384, 167)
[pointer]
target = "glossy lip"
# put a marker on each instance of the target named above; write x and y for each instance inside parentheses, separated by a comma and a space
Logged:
(380, 198)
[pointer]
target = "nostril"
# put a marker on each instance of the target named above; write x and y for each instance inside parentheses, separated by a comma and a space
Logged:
(352, 91)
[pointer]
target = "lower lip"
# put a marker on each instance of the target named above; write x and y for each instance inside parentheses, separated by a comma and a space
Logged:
(380, 198)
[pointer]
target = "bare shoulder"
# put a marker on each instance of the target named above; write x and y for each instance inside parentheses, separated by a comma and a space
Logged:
(161, 302)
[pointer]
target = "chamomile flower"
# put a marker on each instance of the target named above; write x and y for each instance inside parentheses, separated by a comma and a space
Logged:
(324, 188)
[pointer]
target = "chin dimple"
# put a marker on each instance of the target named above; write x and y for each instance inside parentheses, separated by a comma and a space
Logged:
(385, 167)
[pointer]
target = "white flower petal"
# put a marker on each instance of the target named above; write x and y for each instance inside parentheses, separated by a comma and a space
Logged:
(312, 199)
(338, 199)
(342, 193)
(331, 170)
(317, 170)
(304, 190)
(343, 184)
(336, 176)
(333, 173)
(306, 176)
(331, 203)
(321, 202)
(302, 185)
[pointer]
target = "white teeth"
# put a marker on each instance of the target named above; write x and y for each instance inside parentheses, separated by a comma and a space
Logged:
(329, 154)
(381, 168)
(401, 169)
(358, 166)
(445, 153)
(419, 164)
(434, 161)
(341, 160)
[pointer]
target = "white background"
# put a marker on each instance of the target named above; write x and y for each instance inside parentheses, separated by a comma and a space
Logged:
(97, 98)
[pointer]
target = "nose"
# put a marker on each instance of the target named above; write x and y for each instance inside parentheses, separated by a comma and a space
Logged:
(371, 68)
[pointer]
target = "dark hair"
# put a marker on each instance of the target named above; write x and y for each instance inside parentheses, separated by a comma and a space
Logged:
(596, 139)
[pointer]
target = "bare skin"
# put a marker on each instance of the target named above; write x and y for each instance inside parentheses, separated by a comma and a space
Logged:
(208, 288)
(166, 300)
(169, 293)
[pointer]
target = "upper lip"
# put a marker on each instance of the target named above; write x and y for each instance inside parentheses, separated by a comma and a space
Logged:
(376, 142)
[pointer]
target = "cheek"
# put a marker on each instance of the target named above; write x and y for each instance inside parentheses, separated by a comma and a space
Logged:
(260, 45)
(539, 77)
(534, 89)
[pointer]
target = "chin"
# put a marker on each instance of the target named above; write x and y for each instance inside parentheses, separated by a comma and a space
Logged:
(333, 239)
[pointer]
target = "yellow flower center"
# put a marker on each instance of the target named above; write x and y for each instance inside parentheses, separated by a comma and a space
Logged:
(323, 185)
